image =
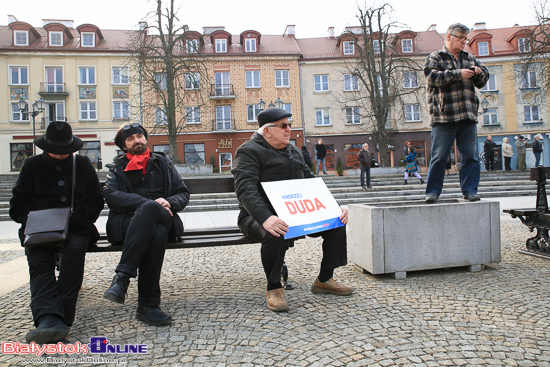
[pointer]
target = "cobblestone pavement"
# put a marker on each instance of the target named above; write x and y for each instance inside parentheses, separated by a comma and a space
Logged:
(497, 317)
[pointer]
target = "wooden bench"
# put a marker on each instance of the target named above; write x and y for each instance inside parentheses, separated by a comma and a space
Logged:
(208, 237)
(536, 218)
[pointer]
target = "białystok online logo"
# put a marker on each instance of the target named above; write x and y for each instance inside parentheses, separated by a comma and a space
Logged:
(98, 345)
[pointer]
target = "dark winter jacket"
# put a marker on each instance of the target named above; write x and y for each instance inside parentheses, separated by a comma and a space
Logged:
(364, 158)
(45, 183)
(321, 150)
(256, 161)
(489, 147)
(536, 146)
(307, 157)
(160, 180)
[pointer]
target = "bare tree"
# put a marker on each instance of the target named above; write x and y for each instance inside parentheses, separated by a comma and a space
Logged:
(167, 59)
(380, 69)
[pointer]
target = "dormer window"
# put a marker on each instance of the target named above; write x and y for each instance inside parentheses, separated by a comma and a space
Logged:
(483, 48)
(523, 45)
(221, 45)
(55, 38)
(192, 46)
(21, 38)
(407, 45)
(87, 39)
(376, 46)
(349, 48)
(250, 44)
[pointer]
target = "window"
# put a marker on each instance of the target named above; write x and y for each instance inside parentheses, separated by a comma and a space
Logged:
(491, 84)
(221, 45)
(222, 85)
(162, 149)
(88, 111)
(87, 39)
(121, 110)
(250, 44)
(288, 108)
(412, 112)
(54, 79)
(19, 152)
(282, 78)
(376, 46)
(193, 153)
(120, 75)
(160, 81)
(490, 117)
(223, 117)
(56, 38)
(407, 45)
(21, 38)
(17, 115)
(352, 115)
(55, 111)
(322, 116)
(483, 48)
(531, 113)
(160, 116)
(252, 111)
(192, 46)
(321, 83)
(252, 79)
(349, 48)
(193, 114)
(19, 75)
(192, 81)
(529, 79)
(86, 75)
(523, 45)
(92, 150)
(351, 82)
(410, 79)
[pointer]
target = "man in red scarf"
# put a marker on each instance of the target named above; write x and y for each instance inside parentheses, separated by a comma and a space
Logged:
(144, 193)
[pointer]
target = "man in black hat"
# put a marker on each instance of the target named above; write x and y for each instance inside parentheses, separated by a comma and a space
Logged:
(144, 193)
(269, 156)
(45, 182)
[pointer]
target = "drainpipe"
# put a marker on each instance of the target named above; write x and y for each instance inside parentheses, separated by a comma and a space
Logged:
(302, 104)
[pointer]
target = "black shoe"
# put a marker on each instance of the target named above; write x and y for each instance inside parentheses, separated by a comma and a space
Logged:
(421, 181)
(369, 187)
(117, 290)
(50, 329)
(153, 316)
(471, 197)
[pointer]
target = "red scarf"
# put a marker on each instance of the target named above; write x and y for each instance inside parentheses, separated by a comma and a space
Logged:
(138, 161)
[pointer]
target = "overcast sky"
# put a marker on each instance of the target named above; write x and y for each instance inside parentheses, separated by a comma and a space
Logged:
(311, 17)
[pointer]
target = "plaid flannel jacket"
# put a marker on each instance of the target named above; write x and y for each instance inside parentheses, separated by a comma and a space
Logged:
(451, 98)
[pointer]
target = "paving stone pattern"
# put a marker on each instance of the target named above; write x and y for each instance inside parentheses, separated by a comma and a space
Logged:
(450, 317)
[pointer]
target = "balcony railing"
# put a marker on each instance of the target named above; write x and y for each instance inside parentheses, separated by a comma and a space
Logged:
(223, 125)
(221, 91)
(47, 88)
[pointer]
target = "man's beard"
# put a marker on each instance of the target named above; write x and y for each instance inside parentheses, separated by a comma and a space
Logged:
(137, 149)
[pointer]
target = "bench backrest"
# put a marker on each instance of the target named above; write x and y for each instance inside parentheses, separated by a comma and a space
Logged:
(210, 185)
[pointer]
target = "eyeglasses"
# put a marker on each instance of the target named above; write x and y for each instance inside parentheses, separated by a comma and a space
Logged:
(127, 127)
(461, 38)
(283, 126)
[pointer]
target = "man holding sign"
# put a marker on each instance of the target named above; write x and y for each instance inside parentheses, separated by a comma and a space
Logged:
(268, 156)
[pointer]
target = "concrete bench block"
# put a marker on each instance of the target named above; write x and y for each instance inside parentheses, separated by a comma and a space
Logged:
(400, 237)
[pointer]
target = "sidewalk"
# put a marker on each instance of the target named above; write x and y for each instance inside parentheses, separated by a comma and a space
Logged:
(499, 316)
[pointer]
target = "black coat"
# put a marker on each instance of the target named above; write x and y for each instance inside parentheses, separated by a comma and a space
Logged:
(256, 161)
(45, 182)
(161, 180)
(307, 158)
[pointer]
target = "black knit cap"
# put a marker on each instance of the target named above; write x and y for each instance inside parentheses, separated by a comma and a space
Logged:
(272, 115)
(126, 130)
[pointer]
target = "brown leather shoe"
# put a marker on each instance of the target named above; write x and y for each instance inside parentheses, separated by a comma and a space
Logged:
(276, 300)
(331, 286)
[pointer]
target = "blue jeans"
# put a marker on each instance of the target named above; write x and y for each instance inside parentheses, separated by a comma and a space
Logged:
(537, 158)
(443, 136)
(363, 171)
(319, 163)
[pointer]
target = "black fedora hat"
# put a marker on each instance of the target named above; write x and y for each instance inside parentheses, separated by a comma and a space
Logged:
(59, 139)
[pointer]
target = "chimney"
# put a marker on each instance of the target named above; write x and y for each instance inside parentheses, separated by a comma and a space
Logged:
(330, 32)
(290, 31)
(480, 26)
(432, 28)
(11, 19)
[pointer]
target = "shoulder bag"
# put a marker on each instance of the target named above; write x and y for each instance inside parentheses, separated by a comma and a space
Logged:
(49, 227)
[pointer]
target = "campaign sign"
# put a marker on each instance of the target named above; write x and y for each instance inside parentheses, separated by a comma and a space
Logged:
(306, 205)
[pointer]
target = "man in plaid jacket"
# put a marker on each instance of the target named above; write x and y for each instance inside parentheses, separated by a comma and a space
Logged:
(452, 75)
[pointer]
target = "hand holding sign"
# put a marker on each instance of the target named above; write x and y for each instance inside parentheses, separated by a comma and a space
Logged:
(275, 226)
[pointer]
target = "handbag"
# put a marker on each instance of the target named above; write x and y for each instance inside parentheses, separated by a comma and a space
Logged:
(49, 227)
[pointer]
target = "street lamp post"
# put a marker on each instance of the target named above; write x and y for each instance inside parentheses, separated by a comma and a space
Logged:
(37, 108)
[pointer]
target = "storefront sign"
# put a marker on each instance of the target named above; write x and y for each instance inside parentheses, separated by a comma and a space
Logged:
(225, 144)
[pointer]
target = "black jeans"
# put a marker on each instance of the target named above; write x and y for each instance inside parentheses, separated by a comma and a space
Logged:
(507, 163)
(363, 171)
(274, 248)
(145, 239)
(490, 161)
(57, 296)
